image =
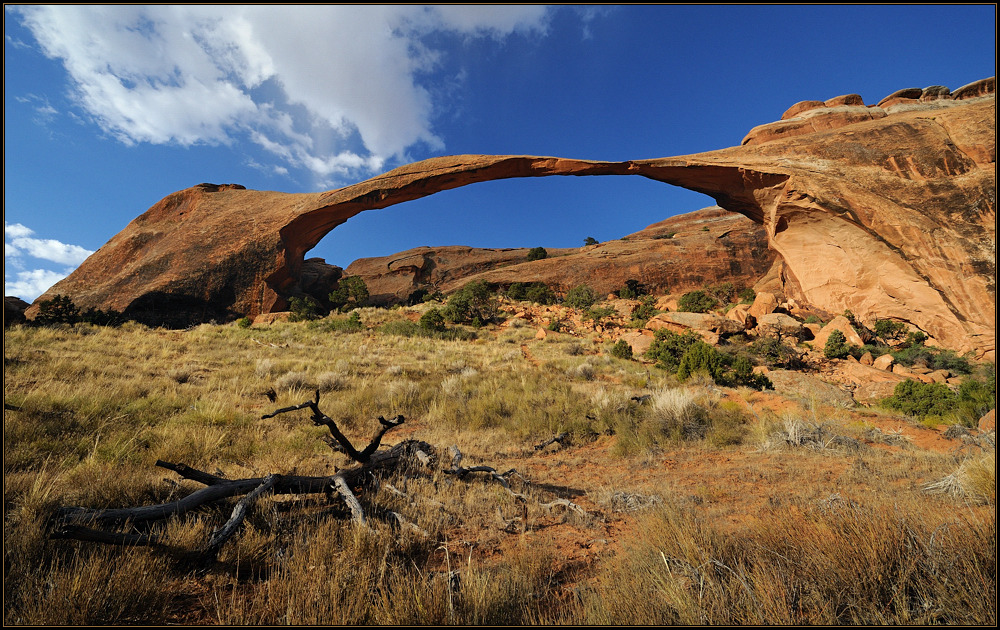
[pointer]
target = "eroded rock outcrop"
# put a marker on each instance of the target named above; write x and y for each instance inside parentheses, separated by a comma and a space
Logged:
(678, 254)
(890, 216)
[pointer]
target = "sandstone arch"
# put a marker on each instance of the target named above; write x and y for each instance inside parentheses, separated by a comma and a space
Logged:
(892, 216)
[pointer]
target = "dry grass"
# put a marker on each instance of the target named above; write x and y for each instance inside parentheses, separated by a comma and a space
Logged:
(664, 471)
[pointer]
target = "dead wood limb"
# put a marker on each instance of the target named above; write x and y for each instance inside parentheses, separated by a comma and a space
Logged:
(460, 472)
(561, 438)
(87, 534)
(566, 503)
(357, 512)
(193, 474)
(321, 419)
(285, 485)
(224, 533)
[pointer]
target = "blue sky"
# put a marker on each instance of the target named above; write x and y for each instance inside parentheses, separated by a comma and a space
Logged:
(107, 109)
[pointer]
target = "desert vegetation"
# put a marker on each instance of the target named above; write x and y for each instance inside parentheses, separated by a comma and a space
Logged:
(670, 488)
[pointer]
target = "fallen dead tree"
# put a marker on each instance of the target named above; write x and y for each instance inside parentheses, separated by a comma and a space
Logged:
(98, 525)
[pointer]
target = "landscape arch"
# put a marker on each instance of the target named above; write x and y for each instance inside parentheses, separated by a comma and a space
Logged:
(857, 225)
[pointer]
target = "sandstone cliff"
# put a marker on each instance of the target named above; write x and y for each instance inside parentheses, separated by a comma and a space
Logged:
(888, 212)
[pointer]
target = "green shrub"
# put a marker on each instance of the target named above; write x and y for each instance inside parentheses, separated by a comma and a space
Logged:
(622, 350)
(537, 253)
(747, 296)
(475, 303)
(244, 322)
(406, 328)
(977, 396)
(922, 399)
(351, 292)
(581, 297)
(304, 309)
(598, 314)
(540, 293)
(632, 290)
(888, 330)
(696, 302)
(743, 374)
(432, 320)
(349, 324)
(701, 357)
(934, 358)
(537, 292)
(723, 292)
(775, 353)
(60, 309)
(644, 312)
(668, 347)
(590, 240)
(836, 346)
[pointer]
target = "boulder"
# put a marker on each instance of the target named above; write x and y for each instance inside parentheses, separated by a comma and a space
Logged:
(939, 376)
(976, 89)
(842, 324)
(988, 422)
(13, 310)
(701, 322)
(778, 325)
(866, 359)
(846, 99)
(905, 93)
(884, 362)
(741, 314)
(639, 340)
(763, 303)
(935, 92)
(801, 106)
(872, 393)
(269, 318)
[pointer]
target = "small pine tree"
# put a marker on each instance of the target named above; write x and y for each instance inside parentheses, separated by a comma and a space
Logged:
(351, 292)
(836, 346)
(622, 350)
(537, 253)
(581, 297)
(432, 320)
(590, 240)
(696, 302)
(58, 310)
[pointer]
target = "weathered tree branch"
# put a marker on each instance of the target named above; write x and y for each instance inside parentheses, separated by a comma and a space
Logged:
(321, 419)
(224, 533)
(561, 438)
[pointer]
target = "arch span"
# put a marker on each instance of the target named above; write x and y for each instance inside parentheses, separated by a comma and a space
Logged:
(867, 216)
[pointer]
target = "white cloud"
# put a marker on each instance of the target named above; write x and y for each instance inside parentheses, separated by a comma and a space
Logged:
(15, 230)
(333, 89)
(19, 244)
(28, 285)
(48, 249)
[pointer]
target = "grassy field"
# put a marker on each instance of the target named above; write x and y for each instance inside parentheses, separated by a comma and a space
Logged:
(699, 504)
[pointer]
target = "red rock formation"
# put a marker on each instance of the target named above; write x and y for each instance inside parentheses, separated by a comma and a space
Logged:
(682, 253)
(889, 215)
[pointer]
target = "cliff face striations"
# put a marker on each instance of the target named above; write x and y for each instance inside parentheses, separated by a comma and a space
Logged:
(888, 210)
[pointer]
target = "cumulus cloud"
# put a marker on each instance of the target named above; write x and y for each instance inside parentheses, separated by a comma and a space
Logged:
(332, 89)
(28, 285)
(20, 244)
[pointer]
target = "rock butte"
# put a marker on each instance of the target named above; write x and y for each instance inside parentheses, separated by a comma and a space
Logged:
(888, 212)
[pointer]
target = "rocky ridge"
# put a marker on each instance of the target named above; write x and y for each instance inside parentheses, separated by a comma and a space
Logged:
(686, 252)
(886, 215)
